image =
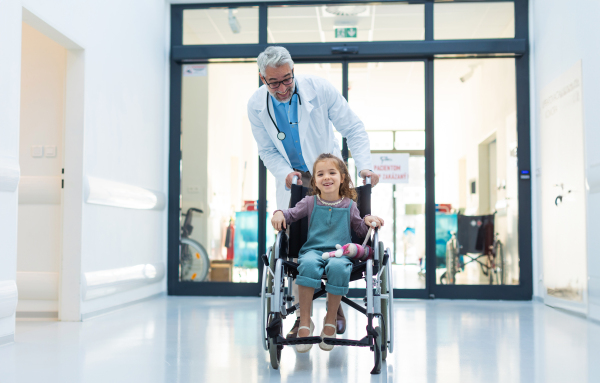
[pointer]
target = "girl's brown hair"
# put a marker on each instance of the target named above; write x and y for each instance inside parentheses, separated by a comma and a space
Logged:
(346, 187)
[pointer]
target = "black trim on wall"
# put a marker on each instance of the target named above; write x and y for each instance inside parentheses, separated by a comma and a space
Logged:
(429, 21)
(173, 231)
(345, 153)
(430, 263)
(380, 49)
(524, 161)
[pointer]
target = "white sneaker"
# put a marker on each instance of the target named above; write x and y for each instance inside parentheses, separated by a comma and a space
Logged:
(324, 346)
(302, 348)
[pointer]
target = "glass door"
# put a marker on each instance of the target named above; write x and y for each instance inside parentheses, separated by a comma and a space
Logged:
(389, 97)
(219, 183)
(476, 178)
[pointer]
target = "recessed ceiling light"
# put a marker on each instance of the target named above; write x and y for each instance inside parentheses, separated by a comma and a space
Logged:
(345, 10)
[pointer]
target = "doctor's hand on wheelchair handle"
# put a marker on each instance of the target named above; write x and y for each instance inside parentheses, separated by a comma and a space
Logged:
(288, 179)
(367, 173)
(278, 221)
(373, 221)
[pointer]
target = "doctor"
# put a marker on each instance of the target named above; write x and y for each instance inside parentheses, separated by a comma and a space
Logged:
(292, 120)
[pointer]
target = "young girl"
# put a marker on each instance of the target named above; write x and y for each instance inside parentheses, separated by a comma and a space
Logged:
(331, 213)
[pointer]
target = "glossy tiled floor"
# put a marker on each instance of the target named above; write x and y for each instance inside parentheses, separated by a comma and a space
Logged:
(183, 339)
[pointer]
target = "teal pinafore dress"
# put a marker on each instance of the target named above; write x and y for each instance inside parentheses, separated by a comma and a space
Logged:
(328, 226)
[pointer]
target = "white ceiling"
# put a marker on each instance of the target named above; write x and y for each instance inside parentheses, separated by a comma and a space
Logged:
(377, 22)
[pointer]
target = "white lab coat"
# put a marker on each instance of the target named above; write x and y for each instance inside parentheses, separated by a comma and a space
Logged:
(321, 106)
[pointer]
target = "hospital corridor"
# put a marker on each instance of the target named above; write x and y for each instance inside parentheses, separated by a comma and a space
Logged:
(299, 191)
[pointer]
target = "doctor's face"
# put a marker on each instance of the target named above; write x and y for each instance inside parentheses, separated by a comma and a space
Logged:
(283, 93)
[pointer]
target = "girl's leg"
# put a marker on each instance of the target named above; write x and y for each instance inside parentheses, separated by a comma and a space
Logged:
(338, 278)
(306, 295)
(331, 317)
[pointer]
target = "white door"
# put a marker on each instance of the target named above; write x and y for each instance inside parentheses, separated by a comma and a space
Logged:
(43, 77)
(563, 193)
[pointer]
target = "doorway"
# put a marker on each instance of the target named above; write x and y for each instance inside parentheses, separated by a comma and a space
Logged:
(43, 89)
(439, 111)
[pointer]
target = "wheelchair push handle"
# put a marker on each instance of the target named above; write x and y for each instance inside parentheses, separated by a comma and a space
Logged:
(368, 180)
(295, 180)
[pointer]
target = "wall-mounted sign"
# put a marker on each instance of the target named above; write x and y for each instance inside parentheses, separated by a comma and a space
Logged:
(391, 168)
(195, 71)
(345, 33)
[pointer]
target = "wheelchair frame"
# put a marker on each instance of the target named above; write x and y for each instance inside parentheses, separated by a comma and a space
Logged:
(277, 302)
(493, 268)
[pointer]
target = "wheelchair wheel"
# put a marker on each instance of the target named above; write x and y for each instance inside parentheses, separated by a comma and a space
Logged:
(384, 306)
(267, 288)
(451, 261)
(499, 252)
(377, 352)
(194, 261)
(274, 352)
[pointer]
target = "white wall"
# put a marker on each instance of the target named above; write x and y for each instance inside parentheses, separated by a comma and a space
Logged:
(124, 128)
(10, 68)
(561, 35)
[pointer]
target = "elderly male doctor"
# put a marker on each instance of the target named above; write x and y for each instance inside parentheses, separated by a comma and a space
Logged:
(291, 118)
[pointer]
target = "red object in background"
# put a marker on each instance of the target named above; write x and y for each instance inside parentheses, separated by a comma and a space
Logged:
(443, 208)
(229, 240)
(249, 206)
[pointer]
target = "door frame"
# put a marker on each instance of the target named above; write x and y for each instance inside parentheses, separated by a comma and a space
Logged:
(427, 50)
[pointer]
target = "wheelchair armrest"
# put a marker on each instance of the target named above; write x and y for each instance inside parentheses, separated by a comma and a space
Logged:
(281, 245)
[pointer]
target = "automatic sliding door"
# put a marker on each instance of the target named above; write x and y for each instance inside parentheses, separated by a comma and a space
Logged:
(219, 170)
(476, 174)
(389, 97)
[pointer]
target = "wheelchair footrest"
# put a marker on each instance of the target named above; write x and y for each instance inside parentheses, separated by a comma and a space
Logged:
(306, 340)
(364, 342)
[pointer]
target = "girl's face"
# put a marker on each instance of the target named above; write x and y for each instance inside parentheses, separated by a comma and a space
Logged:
(327, 177)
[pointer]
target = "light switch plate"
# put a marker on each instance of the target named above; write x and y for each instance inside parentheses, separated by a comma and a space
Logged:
(37, 151)
(50, 150)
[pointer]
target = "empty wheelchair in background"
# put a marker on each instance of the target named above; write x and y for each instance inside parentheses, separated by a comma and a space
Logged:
(475, 241)
(193, 258)
(277, 300)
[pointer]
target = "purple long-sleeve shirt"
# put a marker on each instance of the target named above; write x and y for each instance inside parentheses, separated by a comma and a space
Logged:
(305, 207)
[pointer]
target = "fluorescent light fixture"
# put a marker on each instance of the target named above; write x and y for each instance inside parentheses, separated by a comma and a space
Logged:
(234, 24)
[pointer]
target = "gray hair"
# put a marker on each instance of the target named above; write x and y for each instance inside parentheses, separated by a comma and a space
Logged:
(274, 57)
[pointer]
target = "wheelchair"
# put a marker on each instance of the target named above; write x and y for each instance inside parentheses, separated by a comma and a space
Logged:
(277, 300)
(475, 241)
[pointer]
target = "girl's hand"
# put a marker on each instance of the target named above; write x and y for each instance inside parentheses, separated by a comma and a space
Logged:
(371, 218)
(278, 221)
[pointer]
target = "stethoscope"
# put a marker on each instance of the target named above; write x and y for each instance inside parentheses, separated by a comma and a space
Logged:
(280, 134)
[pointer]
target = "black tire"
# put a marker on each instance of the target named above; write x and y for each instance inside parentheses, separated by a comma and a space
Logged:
(274, 354)
(274, 349)
(377, 352)
(384, 307)
(269, 288)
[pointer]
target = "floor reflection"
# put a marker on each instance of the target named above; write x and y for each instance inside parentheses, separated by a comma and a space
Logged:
(199, 339)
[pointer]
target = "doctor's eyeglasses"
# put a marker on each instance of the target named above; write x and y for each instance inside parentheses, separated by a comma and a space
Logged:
(275, 84)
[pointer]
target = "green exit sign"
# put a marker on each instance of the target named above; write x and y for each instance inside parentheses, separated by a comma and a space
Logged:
(345, 33)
